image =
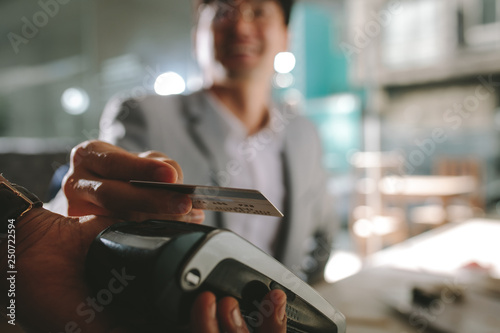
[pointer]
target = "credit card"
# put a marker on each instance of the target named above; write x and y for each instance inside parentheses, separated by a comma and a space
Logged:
(221, 199)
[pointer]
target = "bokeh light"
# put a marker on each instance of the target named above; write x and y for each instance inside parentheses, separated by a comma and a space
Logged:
(75, 101)
(284, 62)
(169, 83)
(283, 80)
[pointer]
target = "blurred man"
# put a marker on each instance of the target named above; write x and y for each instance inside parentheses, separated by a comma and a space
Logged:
(228, 134)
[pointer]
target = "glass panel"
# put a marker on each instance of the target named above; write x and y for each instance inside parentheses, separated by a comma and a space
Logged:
(489, 11)
(414, 36)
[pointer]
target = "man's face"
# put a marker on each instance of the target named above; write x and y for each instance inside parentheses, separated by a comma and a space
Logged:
(244, 35)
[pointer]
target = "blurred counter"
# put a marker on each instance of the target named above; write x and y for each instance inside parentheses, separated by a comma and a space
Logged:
(456, 268)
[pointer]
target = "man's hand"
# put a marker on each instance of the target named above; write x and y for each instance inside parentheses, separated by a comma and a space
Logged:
(52, 295)
(50, 285)
(210, 316)
(98, 183)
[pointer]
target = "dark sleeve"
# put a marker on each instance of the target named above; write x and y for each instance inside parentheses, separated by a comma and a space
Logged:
(56, 181)
(325, 219)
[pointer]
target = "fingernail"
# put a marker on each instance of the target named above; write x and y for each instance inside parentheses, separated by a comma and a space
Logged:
(282, 312)
(184, 204)
(280, 298)
(213, 310)
(197, 216)
(236, 316)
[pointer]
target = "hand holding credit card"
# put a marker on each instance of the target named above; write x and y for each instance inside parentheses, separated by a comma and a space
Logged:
(222, 199)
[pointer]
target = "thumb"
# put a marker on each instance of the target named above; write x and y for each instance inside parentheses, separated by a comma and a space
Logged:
(276, 321)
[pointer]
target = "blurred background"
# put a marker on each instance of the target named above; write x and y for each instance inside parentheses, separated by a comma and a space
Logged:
(405, 95)
(398, 90)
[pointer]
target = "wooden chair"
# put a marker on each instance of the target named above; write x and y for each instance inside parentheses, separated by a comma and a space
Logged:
(374, 223)
(438, 211)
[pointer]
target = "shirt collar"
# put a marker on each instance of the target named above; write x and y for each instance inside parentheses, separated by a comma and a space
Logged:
(236, 127)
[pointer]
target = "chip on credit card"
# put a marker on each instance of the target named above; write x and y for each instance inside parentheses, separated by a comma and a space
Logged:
(221, 199)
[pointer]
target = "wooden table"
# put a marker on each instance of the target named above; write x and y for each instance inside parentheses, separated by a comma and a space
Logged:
(406, 190)
(370, 299)
(427, 186)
